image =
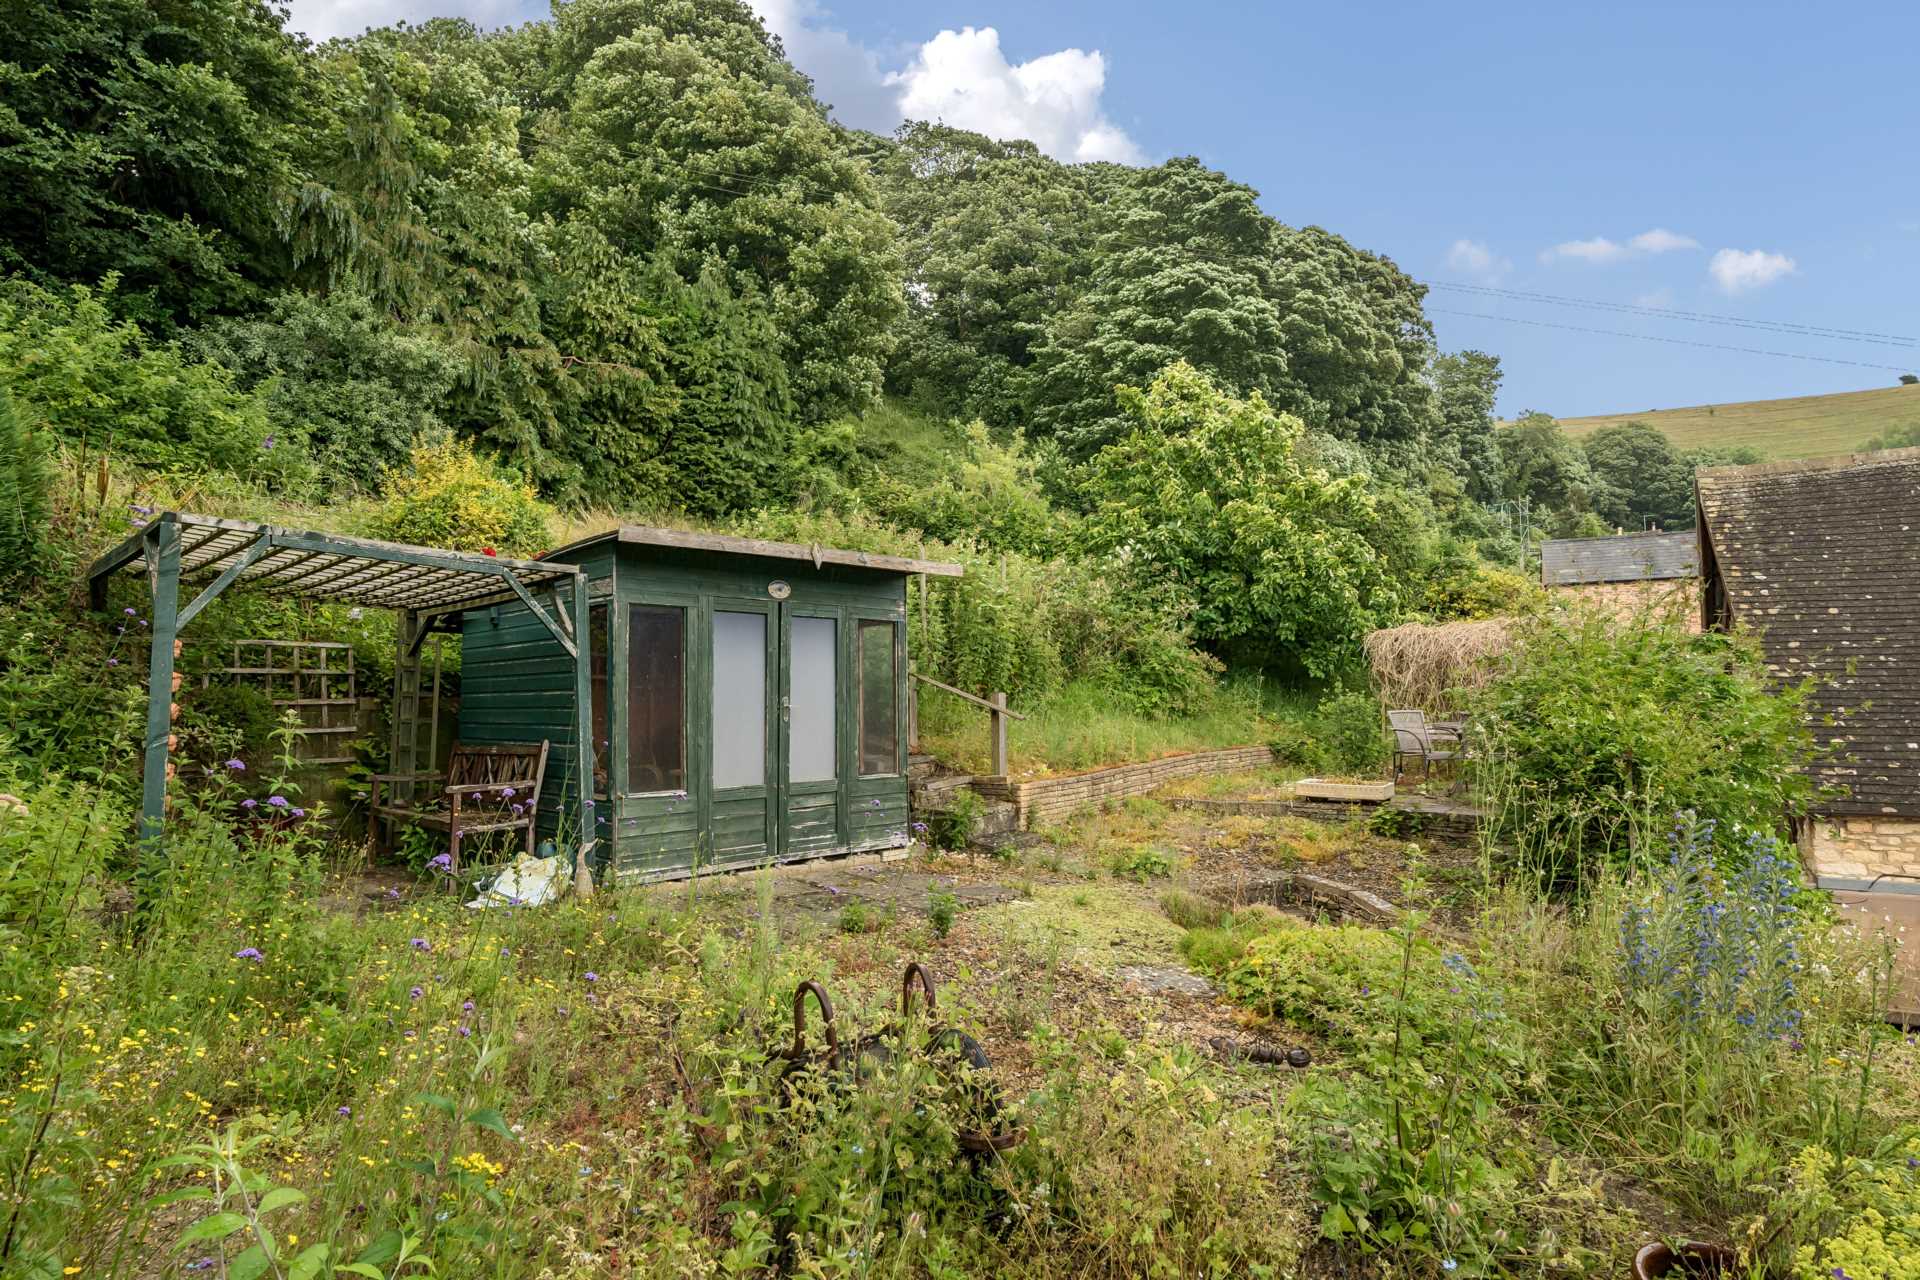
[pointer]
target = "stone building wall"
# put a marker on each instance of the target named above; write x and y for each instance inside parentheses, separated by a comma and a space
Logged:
(1848, 847)
(1624, 599)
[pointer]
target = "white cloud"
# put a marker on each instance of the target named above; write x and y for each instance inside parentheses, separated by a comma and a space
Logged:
(325, 19)
(1598, 249)
(1737, 270)
(1602, 250)
(962, 78)
(1471, 258)
(1661, 240)
(1661, 297)
(846, 74)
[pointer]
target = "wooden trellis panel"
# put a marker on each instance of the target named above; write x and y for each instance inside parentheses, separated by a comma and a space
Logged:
(314, 678)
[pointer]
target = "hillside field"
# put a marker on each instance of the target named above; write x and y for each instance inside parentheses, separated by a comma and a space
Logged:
(1797, 427)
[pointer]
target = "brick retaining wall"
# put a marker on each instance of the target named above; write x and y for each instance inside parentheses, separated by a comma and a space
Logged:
(1052, 799)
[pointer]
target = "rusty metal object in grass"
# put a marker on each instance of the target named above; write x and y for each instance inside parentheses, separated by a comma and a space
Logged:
(1686, 1259)
(796, 1057)
(1269, 1055)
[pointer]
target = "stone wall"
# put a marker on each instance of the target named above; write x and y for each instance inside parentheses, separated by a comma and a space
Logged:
(1625, 599)
(1860, 848)
(1047, 800)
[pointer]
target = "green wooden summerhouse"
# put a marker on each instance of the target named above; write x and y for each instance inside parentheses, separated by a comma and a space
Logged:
(749, 698)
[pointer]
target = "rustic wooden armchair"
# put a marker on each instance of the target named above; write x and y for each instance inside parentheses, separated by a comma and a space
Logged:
(493, 788)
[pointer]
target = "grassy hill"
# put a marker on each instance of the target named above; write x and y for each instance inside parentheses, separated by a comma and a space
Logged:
(1797, 427)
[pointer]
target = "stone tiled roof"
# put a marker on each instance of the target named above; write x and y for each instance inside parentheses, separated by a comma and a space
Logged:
(1627, 557)
(1822, 558)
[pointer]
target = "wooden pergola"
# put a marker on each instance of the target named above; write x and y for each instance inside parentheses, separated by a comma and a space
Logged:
(429, 589)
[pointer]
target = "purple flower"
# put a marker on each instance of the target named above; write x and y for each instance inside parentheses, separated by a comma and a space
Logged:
(441, 862)
(563, 1011)
(113, 662)
(420, 944)
(505, 952)
(518, 808)
(393, 893)
(200, 1264)
(415, 993)
(299, 813)
(344, 1109)
(465, 1031)
(508, 792)
(266, 443)
(407, 1034)
(238, 766)
(249, 803)
(586, 804)
(249, 953)
(591, 976)
(466, 1006)
(129, 612)
(278, 802)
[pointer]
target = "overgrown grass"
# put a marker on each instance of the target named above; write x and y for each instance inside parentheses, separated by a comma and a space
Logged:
(1084, 727)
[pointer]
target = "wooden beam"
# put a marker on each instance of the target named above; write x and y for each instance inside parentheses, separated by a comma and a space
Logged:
(163, 554)
(526, 598)
(254, 551)
(583, 745)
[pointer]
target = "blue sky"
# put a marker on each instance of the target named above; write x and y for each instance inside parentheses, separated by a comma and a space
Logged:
(1753, 161)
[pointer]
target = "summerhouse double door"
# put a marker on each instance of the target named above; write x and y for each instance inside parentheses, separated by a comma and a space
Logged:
(804, 711)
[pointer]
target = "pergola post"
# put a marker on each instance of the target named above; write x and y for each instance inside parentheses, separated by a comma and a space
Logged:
(163, 559)
(583, 737)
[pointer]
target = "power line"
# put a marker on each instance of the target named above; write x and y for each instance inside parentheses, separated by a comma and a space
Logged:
(1651, 337)
(1667, 313)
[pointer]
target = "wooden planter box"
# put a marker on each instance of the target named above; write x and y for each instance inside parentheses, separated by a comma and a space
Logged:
(1362, 792)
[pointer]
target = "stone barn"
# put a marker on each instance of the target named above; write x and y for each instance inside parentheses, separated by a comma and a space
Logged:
(1624, 573)
(1822, 559)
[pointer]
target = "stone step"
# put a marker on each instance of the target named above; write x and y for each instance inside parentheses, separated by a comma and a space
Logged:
(921, 767)
(998, 819)
(1004, 840)
(937, 792)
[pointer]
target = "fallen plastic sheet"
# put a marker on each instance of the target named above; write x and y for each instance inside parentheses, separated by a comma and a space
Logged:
(527, 881)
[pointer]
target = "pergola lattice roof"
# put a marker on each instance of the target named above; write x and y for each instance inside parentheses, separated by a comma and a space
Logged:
(328, 566)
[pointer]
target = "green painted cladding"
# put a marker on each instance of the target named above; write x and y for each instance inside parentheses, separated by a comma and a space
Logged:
(518, 686)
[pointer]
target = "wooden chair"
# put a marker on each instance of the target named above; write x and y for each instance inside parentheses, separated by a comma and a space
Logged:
(494, 788)
(1415, 739)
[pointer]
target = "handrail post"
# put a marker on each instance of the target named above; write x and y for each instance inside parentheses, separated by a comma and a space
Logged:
(999, 716)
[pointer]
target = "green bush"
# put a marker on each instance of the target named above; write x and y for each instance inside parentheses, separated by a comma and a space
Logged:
(1597, 730)
(952, 827)
(1334, 979)
(1142, 862)
(450, 497)
(1868, 1209)
(104, 385)
(1351, 731)
(1296, 744)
